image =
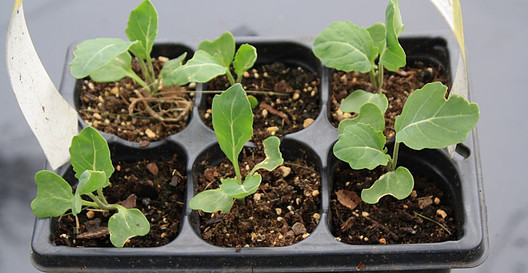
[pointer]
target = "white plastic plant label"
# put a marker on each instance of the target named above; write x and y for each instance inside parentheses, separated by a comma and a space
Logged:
(51, 118)
(451, 11)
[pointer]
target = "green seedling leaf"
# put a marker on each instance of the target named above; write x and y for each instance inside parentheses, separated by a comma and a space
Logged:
(125, 224)
(253, 101)
(223, 48)
(233, 188)
(143, 27)
(201, 68)
(169, 71)
(89, 181)
(393, 57)
(353, 102)
(347, 47)
(428, 120)
(115, 70)
(398, 183)
(54, 195)
(273, 155)
(91, 55)
(362, 147)
(211, 201)
(378, 32)
(245, 58)
(368, 114)
(232, 121)
(89, 151)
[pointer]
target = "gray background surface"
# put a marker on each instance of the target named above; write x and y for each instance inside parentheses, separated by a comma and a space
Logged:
(495, 39)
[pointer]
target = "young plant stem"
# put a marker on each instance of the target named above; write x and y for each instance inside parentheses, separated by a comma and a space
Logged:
(230, 78)
(101, 196)
(146, 73)
(89, 204)
(237, 172)
(100, 203)
(141, 82)
(394, 161)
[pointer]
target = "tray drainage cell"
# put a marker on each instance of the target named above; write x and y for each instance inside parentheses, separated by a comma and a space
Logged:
(157, 179)
(126, 110)
(286, 80)
(284, 210)
(430, 214)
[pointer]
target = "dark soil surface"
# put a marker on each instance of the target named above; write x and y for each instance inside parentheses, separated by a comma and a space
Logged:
(159, 196)
(397, 86)
(391, 221)
(294, 109)
(105, 106)
(285, 209)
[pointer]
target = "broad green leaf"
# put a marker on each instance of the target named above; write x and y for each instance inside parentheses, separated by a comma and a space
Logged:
(168, 72)
(115, 70)
(91, 55)
(273, 155)
(54, 195)
(378, 32)
(369, 114)
(393, 57)
(222, 48)
(143, 27)
(398, 183)
(125, 224)
(89, 182)
(362, 147)
(232, 121)
(201, 68)
(231, 187)
(428, 120)
(245, 58)
(353, 102)
(212, 201)
(89, 151)
(346, 46)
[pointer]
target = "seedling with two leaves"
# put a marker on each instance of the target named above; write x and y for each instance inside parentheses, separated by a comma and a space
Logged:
(348, 47)
(233, 126)
(428, 120)
(215, 58)
(91, 162)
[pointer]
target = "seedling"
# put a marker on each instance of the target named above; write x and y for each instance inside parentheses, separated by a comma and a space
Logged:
(233, 126)
(348, 47)
(109, 59)
(91, 162)
(428, 120)
(215, 58)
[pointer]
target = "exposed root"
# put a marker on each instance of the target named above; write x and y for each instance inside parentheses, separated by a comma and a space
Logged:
(178, 108)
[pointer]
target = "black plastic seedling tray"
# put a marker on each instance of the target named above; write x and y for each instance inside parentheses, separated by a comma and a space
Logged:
(460, 177)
